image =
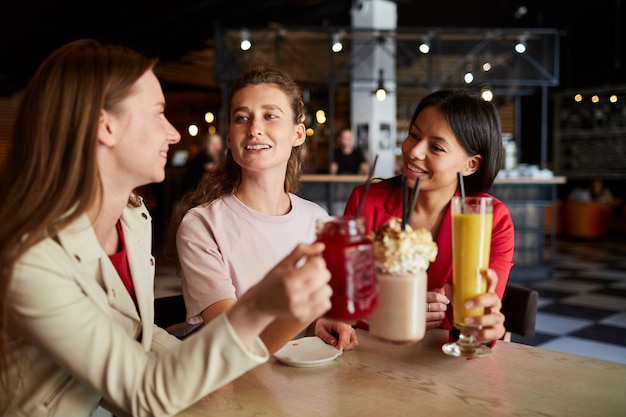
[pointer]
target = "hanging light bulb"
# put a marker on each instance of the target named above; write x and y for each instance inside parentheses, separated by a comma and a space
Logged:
(487, 94)
(336, 46)
(520, 46)
(425, 45)
(381, 92)
(245, 43)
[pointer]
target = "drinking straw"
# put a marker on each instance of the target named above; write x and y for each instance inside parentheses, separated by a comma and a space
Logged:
(370, 175)
(461, 185)
(407, 208)
(405, 194)
(416, 191)
(462, 189)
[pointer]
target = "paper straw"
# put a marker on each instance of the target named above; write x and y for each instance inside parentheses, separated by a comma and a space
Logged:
(370, 175)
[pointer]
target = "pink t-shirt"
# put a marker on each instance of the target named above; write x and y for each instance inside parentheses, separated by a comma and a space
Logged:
(225, 247)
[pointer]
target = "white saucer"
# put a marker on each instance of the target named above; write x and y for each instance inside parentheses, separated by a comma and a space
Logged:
(306, 352)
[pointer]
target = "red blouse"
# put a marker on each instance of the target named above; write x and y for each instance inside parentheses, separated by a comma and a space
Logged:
(120, 262)
(384, 200)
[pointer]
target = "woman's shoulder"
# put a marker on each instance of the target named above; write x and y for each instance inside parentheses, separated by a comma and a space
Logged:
(206, 210)
(307, 205)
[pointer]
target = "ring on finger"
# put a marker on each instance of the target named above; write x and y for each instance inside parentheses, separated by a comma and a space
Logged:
(429, 307)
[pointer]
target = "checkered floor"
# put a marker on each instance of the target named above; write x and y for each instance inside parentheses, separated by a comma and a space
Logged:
(582, 310)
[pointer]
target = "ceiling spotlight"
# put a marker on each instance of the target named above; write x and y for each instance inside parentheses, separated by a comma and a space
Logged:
(520, 46)
(425, 45)
(245, 43)
(380, 92)
(487, 94)
(337, 46)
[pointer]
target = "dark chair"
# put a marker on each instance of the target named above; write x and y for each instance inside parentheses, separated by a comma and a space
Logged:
(170, 314)
(519, 306)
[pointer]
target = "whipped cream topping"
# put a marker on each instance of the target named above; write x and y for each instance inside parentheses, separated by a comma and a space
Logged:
(400, 251)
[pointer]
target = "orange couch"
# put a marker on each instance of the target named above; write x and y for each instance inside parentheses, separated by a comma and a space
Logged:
(586, 219)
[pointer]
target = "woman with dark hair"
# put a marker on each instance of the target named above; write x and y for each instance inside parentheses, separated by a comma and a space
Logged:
(76, 270)
(450, 132)
(244, 216)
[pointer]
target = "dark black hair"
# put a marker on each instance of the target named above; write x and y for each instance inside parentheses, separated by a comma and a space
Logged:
(476, 125)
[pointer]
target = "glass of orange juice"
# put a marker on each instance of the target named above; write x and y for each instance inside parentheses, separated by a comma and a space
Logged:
(472, 219)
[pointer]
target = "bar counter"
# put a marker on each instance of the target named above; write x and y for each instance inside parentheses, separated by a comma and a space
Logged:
(383, 379)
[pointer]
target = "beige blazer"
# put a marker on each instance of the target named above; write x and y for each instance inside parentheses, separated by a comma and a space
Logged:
(77, 338)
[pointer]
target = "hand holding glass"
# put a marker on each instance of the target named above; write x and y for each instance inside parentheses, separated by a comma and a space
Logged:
(472, 219)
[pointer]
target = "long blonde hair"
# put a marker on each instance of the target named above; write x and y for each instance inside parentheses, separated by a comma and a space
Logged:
(50, 176)
(226, 177)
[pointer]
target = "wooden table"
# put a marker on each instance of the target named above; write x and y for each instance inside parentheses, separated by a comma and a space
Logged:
(383, 379)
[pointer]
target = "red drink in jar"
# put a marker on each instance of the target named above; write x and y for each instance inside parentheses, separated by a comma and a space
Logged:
(349, 256)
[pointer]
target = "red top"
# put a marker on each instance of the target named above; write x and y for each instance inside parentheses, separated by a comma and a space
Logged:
(384, 200)
(120, 262)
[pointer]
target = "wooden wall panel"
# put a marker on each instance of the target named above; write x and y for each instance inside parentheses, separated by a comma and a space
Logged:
(507, 117)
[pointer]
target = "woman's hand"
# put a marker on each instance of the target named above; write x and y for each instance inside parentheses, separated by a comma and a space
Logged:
(436, 307)
(336, 333)
(491, 324)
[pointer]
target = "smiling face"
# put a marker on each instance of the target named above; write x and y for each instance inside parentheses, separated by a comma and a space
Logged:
(137, 135)
(432, 152)
(262, 131)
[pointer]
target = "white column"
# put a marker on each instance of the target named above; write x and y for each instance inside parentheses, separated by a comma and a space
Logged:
(373, 121)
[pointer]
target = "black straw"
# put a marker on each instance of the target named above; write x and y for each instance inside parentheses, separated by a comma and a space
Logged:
(405, 202)
(461, 185)
(370, 175)
(407, 208)
(462, 189)
(416, 191)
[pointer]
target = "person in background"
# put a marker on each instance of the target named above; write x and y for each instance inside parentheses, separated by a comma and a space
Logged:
(596, 191)
(600, 193)
(76, 270)
(450, 132)
(244, 216)
(347, 158)
(205, 160)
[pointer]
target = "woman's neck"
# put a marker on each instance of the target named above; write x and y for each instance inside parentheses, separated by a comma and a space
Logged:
(265, 195)
(104, 217)
(429, 211)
